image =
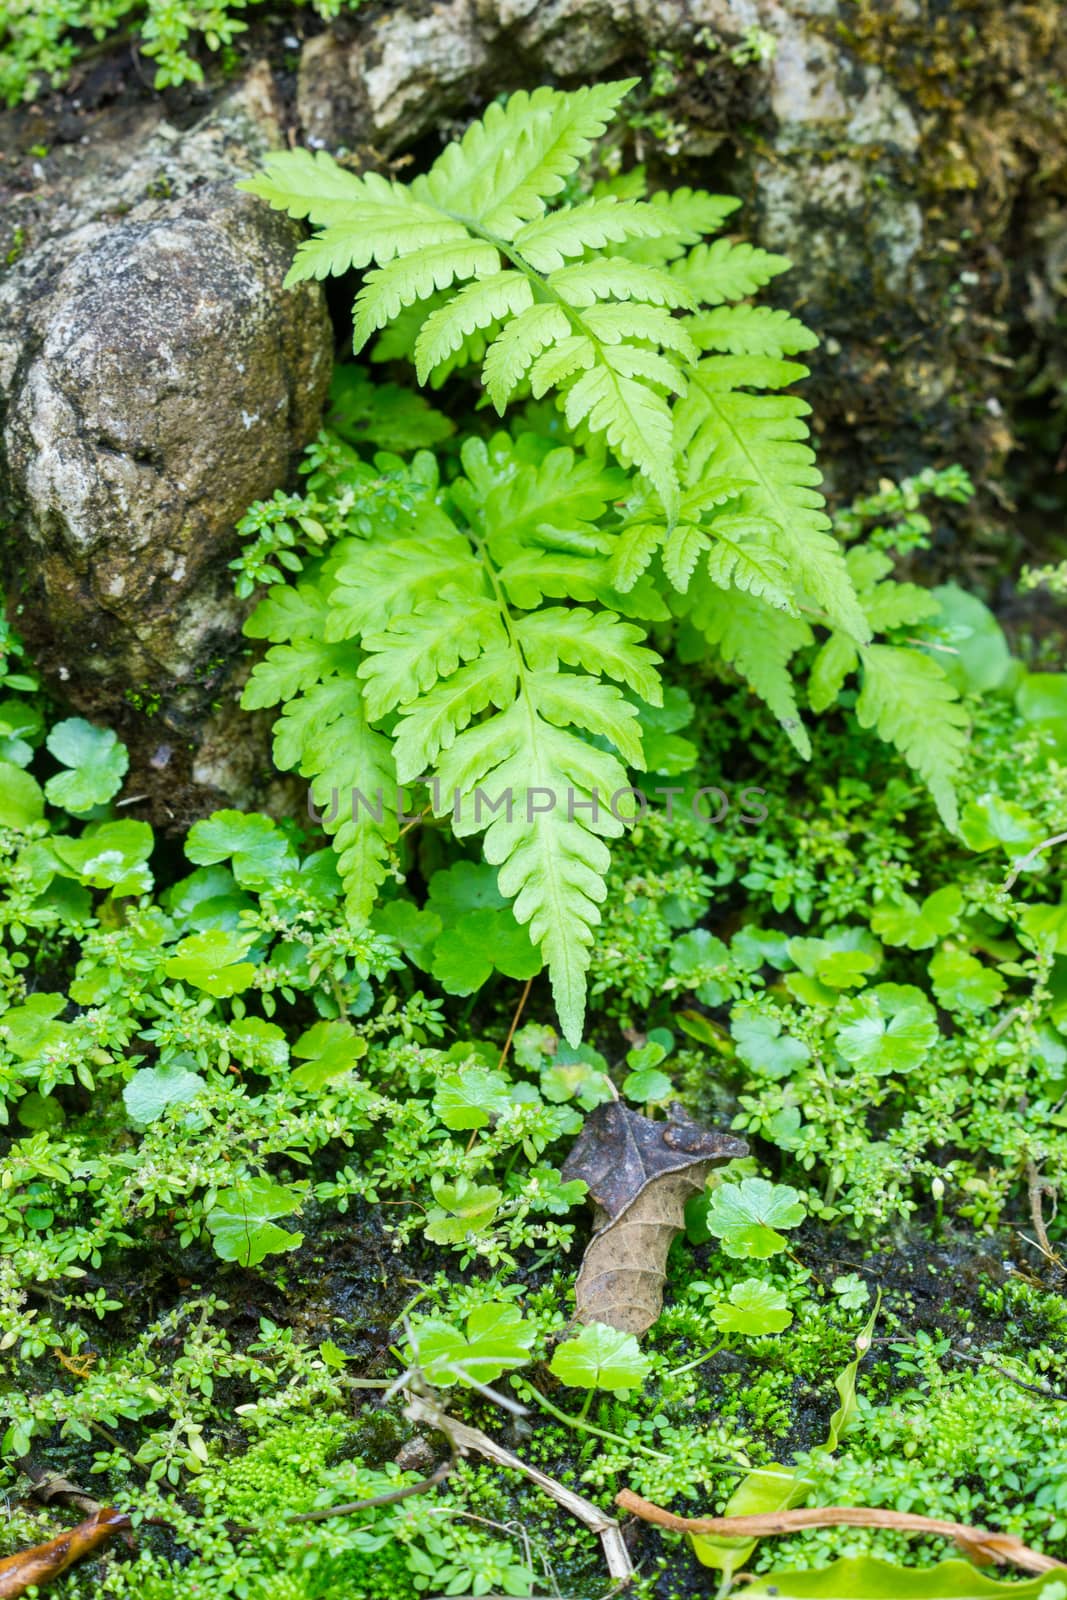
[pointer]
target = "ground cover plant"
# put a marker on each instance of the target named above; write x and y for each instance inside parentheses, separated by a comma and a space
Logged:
(693, 1137)
(40, 45)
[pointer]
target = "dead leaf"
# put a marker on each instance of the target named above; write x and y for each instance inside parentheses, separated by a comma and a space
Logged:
(978, 1544)
(640, 1174)
(44, 1562)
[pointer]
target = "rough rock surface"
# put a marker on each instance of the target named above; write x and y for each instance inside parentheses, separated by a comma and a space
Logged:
(157, 381)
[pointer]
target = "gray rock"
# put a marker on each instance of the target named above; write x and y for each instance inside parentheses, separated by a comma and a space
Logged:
(158, 379)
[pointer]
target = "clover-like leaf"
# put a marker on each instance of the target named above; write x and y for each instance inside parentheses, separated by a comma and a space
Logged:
(471, 1098)
(703, 964)
(601, 1358)
(905, 922)
(495, 1340)
(21, 798)
(646, 1085)
(762, 1045)
(753, 1308)
(465, 886)
(962, 983)
(479, 943)
(214, 962)
(96, 763)
(110, 855)
(746, 1216)
(152, 1091)
(989, 822)
(462, 1208)
(841, 960)
(327, 1049)
(890, 1029)
(258, 848)
(415, 931)
(241, 1222)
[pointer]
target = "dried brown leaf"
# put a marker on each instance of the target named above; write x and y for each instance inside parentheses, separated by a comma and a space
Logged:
(640, 1174)
(43, 1562)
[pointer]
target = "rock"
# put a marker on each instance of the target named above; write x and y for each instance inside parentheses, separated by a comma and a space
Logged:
(157, 380)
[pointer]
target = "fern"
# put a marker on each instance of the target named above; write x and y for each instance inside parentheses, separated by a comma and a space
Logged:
(905, 695)
(481, 263)
(487, 634)
(438, 626)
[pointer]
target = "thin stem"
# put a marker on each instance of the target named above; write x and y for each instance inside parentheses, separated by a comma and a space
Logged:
(525, 995)
(676, 1372)
(1028, 860)
(588, 1427)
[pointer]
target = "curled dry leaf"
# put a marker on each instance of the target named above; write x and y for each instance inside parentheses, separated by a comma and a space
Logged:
(43, 1562)
(640, 1174)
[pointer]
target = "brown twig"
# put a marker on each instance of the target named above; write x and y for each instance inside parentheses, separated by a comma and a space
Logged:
(1021, 863)
(33, 1568)
(519, 1009)
(424, 1486)
(1038, 1187)
(1031, 1388)
(464, 1439)
(977, 1543)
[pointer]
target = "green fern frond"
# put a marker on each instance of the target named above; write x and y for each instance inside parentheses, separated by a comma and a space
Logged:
(506, 167)
(836, 660)
(428, 650)
(344, 246)
(572, 230)
(723, 270)
(635, 419)
(307, 184)
(907, 699)
(634, 548)
(687, 215)
(615, 279)
(386, 290)
(326, 736)
(758, 642)
(596, 641)
(762, 438)
(682, 548)
(905, 695)
(612, 324)
(741, 559)
(478, 306)
(517, 346)
(751, 331)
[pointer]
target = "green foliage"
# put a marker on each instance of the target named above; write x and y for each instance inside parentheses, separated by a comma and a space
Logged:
(478, 621)
(866, 1578)
(39, 44)
(494, 1340)
(242, 1221)
(96, 764)
(746, 1216)
(601, 1358)
(299, 1074)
